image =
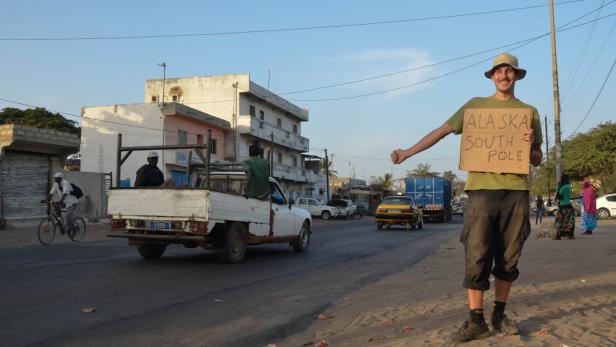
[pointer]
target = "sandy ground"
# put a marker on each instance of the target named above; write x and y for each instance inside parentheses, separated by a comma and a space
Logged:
(565, 296)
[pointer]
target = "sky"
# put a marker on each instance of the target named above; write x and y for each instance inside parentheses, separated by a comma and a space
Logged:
(359, 123)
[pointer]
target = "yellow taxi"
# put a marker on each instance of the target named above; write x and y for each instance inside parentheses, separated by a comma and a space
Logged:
(399, 210)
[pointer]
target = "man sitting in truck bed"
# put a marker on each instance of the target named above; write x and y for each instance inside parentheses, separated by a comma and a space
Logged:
(149, 175)
(257, 173)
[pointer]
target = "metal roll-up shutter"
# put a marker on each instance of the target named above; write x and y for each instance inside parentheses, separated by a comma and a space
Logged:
(25, 179)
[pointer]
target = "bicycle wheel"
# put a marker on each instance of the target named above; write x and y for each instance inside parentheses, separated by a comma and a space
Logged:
(80, 230)
(46, 231)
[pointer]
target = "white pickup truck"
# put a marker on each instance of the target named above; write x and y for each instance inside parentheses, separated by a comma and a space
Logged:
(154, 218)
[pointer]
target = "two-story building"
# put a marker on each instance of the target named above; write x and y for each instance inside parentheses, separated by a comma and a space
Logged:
(256, 115)
(149, 124)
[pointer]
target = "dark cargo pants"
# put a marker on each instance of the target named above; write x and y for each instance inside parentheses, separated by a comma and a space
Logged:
(496, 225)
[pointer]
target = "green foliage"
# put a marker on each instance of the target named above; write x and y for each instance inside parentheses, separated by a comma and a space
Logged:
(592, 153)
(38, 118)
(383, 183)
(422, 170)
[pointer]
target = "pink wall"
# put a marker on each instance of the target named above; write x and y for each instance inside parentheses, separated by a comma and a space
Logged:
(193, 128)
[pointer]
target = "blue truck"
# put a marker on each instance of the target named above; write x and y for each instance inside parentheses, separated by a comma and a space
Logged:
(433, 194)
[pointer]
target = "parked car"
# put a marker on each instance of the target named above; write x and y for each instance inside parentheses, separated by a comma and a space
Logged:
(399, 210)
(347, 208)
(317, 208)
(606, 206)
(550, 210)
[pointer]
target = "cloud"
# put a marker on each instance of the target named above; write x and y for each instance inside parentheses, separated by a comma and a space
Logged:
(375, 62)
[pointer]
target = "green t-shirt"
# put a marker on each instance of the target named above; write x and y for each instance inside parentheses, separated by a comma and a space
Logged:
(487, 180)
(565, 195)
(259, 180)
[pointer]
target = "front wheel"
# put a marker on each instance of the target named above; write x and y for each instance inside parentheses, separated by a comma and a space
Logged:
(303, 239)
(603, 213)
(80, 230)
(325, 215)
(235, 244)
(46, 231)
(151, 251)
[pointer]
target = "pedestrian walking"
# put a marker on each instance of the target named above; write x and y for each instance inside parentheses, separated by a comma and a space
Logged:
(565, 216)
(589, 202)
(539, 209)
(496, 221)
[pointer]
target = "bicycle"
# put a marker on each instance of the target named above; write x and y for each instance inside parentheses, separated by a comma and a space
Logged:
(47, 226)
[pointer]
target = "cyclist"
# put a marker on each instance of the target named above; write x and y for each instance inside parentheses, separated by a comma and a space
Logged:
(61, 196)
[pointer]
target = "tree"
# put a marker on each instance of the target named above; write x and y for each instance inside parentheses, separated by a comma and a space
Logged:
(332, 173)
(592, 153)
(38, 118)
(450, 176)
(422, 170)
(382, 183)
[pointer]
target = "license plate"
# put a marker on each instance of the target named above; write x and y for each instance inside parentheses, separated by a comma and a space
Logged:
(394, 211)
(158, 225)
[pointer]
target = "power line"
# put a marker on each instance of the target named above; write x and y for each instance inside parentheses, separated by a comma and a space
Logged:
(524, 43)
(595, 100)
(275, 30)
(438, 63)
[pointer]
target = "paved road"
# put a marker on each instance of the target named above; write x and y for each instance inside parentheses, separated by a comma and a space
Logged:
(188, 297)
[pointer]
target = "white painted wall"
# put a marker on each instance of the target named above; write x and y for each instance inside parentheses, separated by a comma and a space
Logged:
(100, 126)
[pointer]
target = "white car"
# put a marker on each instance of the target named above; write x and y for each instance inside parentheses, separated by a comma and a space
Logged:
(606, 206)
(317, 208)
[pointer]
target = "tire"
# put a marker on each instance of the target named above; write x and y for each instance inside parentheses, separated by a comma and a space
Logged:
(303, 239)
(46, 231)
(326, 215)
(80, 230)
(235, 244)
(379, 226)
(151, 250)
(603, 213)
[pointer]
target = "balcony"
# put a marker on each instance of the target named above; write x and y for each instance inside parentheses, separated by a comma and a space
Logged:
(263, 130)
(295, 174)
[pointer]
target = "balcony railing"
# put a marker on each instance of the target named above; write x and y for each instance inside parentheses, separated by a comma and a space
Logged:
(263, 130)
(295, 174)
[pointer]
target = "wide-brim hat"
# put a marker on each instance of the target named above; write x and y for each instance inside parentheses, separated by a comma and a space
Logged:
(505, 59)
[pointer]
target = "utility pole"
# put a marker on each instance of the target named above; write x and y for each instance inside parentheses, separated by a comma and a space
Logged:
(327, 174)
(557, 146)
(271, 154)
(164, 66)
(547, 156)
(234, 122)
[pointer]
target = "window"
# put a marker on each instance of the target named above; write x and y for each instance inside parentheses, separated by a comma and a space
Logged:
(302, 202)
(261, 115)
(294, 128)
(611, 198)
(182, 137)
(261, 125)
(213, 147)
(276, 195)
(279, 123)
(279, 158)
(199, 139)
(154, 98)
(253, 111)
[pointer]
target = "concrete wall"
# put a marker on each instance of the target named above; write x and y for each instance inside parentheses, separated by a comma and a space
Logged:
(93, 203)
(99, 139)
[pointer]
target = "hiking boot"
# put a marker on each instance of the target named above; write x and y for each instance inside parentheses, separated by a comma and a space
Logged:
(501, 324)
(470, 331)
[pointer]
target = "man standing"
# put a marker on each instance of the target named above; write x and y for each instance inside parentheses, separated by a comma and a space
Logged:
(496, 221)
(149, 175)
(61, 196)
(257, 173)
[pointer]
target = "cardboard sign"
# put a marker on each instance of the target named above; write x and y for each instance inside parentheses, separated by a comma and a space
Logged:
(492, 140)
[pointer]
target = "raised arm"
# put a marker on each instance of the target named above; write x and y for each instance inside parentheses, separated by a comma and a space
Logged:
(400, 155)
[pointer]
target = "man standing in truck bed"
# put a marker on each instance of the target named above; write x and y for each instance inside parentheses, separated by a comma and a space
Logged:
(496, 220)
(257, 173)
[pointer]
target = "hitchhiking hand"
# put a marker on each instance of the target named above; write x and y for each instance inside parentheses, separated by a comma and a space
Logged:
(397, 156)
(529, 136)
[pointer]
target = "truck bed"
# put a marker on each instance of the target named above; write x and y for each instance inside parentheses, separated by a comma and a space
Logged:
(185, 204)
